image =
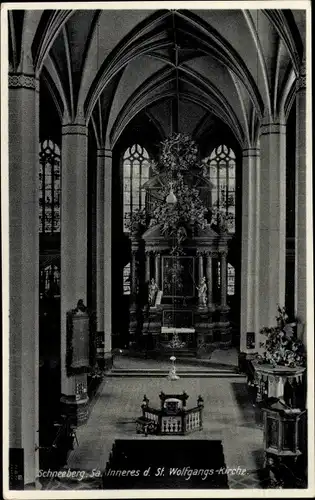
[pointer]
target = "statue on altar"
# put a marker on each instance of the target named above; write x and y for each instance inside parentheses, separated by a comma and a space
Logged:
(202, 292)
(153, 290)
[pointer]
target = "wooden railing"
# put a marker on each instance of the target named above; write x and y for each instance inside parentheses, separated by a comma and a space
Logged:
(155, 421)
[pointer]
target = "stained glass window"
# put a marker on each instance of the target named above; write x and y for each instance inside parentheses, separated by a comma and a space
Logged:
(230, 278)
(221, 164)
(49, 195)
(50, 281)
(135, 174)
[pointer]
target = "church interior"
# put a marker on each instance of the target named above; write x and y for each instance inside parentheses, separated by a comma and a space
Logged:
(157, 185)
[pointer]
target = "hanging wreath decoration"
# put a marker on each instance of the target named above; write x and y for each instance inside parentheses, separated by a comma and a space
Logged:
(188, 212)
(179, 157)
(179, 153)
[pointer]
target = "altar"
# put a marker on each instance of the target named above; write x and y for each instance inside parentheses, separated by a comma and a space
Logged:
(179, 317)
(178, 262)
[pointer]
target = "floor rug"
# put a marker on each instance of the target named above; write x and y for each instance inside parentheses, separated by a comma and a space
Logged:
(166, 463)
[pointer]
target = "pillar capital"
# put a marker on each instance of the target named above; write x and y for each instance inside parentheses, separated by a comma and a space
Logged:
(104, 152)
(272, 128)
(301, 79)
(210, 253)
(23, 81)
(74, 129)
(302, 71)
(251, 152)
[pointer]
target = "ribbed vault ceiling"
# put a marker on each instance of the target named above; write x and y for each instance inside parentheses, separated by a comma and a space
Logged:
(234, 66)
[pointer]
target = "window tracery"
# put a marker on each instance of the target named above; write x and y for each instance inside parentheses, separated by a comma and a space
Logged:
(222, 164)
(49, 195)
(135, 174)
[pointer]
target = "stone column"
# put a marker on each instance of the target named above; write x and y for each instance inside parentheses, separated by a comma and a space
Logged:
(23, 271)
(200, 276)
(300, 300)
(272, 221)
(147, 266)
(157, 268)
(250, 247)
(200, 266)
(133, 274)
(100, 212)
(209, 280)
(73, 253)
(223, 276)
(108, 256)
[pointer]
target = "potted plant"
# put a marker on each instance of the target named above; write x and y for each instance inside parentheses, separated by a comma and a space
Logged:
(280, 367)
(282, 347)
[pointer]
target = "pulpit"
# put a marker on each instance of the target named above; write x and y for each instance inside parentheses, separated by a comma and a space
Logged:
(282, 382)
(284, 433)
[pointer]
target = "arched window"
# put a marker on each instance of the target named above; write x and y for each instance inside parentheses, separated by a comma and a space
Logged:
(49, 179)
(135, 173)
(222, 175)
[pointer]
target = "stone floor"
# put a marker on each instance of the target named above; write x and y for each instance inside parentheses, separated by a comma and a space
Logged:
(228, 416)
(219, 360)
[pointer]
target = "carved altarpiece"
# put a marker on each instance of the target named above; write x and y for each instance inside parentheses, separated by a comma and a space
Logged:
(186, 266)
(198, 326)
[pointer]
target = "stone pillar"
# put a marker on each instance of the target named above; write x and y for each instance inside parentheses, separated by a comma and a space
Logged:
(200, 266)
(133, 274)
(209, 280)
(100, 212)
(300, 299)
(250, 248)
(73, 253)
(147, 267)
(200, 276)
(157, 268)
(272, 221)
(108, 256)
(223, 276)
(23, 271)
